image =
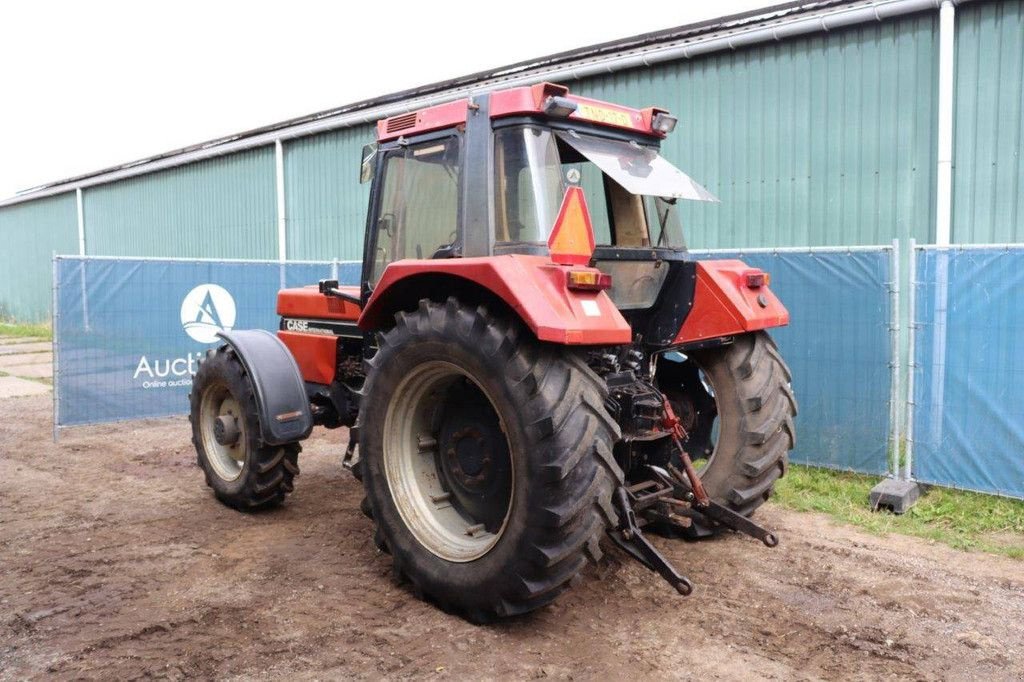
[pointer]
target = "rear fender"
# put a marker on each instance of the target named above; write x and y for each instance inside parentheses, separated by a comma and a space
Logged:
(723, 304)
(531, 286)
(281, 400)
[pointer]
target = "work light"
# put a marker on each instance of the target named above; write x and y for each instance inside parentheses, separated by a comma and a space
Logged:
(559, 106)
(664, 123)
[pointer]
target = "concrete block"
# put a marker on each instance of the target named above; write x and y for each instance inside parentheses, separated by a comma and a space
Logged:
(895, 496)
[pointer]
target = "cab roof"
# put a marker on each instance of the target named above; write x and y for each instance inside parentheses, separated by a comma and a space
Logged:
(521, 101)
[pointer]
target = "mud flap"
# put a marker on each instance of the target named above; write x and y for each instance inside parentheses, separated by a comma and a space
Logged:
(281, 400)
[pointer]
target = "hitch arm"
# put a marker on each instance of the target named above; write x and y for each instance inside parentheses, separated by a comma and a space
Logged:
(711, 509)
(692, 490)
(632, 541)
(730, 519)
(675, 430)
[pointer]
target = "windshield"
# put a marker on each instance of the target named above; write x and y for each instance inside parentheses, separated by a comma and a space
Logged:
(630, 189)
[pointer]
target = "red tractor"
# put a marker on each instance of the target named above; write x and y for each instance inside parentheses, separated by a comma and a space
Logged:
(531, 362)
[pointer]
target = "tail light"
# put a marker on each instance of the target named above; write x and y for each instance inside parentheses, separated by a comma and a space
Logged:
(588, 280)
(755, 279)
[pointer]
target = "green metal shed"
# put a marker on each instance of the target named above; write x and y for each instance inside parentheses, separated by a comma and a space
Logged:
(822, 123)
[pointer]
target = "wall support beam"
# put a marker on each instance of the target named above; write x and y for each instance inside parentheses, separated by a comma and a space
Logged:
(81, 222)
(282, 233)
(944, 175)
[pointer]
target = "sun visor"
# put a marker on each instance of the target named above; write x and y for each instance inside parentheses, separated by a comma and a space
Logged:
(640, 170)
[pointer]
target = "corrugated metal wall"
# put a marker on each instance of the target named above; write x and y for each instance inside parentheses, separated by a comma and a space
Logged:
(822, 140)
(988, 140)
(225, 207)
(30, 233)
(816, 141)
(325, 204)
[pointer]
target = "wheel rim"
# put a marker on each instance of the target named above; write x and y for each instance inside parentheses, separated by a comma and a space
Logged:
(224, 445)
(686, 407)
(447, 462)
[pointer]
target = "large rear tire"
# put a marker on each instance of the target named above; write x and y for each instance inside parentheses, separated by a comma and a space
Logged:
(752, 399)
(487, 460)
(244, 472)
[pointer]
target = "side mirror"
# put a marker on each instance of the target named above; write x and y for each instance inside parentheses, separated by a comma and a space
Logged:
(329, 287)
(326, 286)
(368, 163)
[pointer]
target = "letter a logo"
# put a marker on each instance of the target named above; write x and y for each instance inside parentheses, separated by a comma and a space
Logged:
(206, 310)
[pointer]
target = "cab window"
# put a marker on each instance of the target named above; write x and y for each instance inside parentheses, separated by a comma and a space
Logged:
(533, 167)
(419, 204)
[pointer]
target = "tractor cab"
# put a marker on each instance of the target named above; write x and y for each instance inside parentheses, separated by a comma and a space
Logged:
(487, 176)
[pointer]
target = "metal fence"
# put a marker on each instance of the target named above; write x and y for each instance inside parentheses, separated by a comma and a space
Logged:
(966, 422)
(128, 331)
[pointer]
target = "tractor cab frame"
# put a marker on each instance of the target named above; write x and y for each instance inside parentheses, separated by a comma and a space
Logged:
(488, 174)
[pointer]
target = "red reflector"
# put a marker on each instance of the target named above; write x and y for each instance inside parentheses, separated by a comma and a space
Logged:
(588, 280)
(755, 279)
(572, 237)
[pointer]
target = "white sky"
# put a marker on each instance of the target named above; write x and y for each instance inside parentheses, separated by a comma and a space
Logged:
(86, 85)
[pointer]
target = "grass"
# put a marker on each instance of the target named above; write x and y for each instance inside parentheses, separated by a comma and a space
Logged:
(23, 330)
(964, 520)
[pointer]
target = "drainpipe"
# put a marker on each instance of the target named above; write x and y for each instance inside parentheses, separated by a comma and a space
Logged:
(943, 237)
(81, 281)
(944, 182)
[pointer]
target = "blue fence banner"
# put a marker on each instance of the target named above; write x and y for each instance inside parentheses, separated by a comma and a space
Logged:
(968, 407)
(839, 349)
(128, 332)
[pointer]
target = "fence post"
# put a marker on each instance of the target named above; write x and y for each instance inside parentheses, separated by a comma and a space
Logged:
(898, 493)
(908, 460)
(895, 411)
(55, 321)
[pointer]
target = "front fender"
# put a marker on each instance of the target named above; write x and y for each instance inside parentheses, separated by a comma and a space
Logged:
(281, 400)
(532, 286)
(723, 304)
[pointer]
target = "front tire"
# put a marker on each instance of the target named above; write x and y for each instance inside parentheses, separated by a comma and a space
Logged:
(487, 460)
(245, 473)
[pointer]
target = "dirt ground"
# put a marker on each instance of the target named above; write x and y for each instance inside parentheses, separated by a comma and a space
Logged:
(116, 562)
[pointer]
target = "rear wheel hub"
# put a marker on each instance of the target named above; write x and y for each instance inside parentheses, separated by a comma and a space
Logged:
(473, 457)
(225, 429)
(222, 432)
